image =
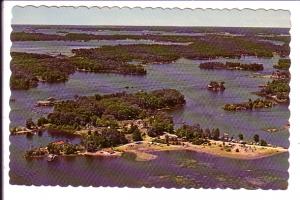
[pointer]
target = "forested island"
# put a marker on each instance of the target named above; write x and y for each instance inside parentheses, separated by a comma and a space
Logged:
(232, 66)
(277, 90)
(28, 69)
(283, 64)
(199, 47)
(118, 59)
(107, 110)
(250, 105)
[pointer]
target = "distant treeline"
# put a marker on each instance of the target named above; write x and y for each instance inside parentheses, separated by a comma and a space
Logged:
(208, 46)
(232, 66)
(177, 29)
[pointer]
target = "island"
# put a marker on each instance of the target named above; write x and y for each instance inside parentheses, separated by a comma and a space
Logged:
(250, 105)
(138, 123)
(231, 66)
(277, 90)
(283, 64)
(28, 69)
(216, 86)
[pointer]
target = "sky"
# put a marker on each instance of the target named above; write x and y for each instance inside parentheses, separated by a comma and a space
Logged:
(150, 17)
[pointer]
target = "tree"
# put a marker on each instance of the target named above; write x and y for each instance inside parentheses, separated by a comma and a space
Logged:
(98, 97)
(207, 133)
(29, 123)
(256, 138)
(263, 143)
(136, 133)
(241, 136)
(216, 134)
(41, 121)
(161, 123)
(167, 140)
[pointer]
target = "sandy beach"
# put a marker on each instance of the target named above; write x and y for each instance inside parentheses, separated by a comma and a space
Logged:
(143, 150)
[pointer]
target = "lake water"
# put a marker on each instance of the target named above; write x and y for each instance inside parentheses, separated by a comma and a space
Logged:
(170, 169)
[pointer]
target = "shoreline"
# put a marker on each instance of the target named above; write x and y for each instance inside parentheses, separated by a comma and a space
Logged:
(245, 151)
(144, 151)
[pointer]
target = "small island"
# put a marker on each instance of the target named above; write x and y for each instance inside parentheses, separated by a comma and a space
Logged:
(283, 64)
(250, 105)
(231, 66)
(216, 86)
(277, 90)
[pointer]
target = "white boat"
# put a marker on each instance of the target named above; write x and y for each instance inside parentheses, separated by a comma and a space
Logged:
(51, 157)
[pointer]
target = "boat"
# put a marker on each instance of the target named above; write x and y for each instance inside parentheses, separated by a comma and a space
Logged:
(51, 157)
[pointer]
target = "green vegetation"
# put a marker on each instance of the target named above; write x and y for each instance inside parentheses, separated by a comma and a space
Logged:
(41, 121)
(241, 136)
(197, 135)
(63, 148)
(250, 105)
(23, 36)
(27, 69)
(136, 133)
(35, 152)
(200, 47)
(105, 110)
(121, 54)
(104, 62)
(29, 123)
(22, 82)
(108, 137)
(256, 138)
(278, 90)
(107, 121)
(283, 64)
(277, 86)
(263, 143)
(232, 66)
(159, 124)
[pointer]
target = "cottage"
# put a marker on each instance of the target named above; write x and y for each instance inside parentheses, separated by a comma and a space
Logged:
(61, 142)
(45, 103)
(171, 137)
